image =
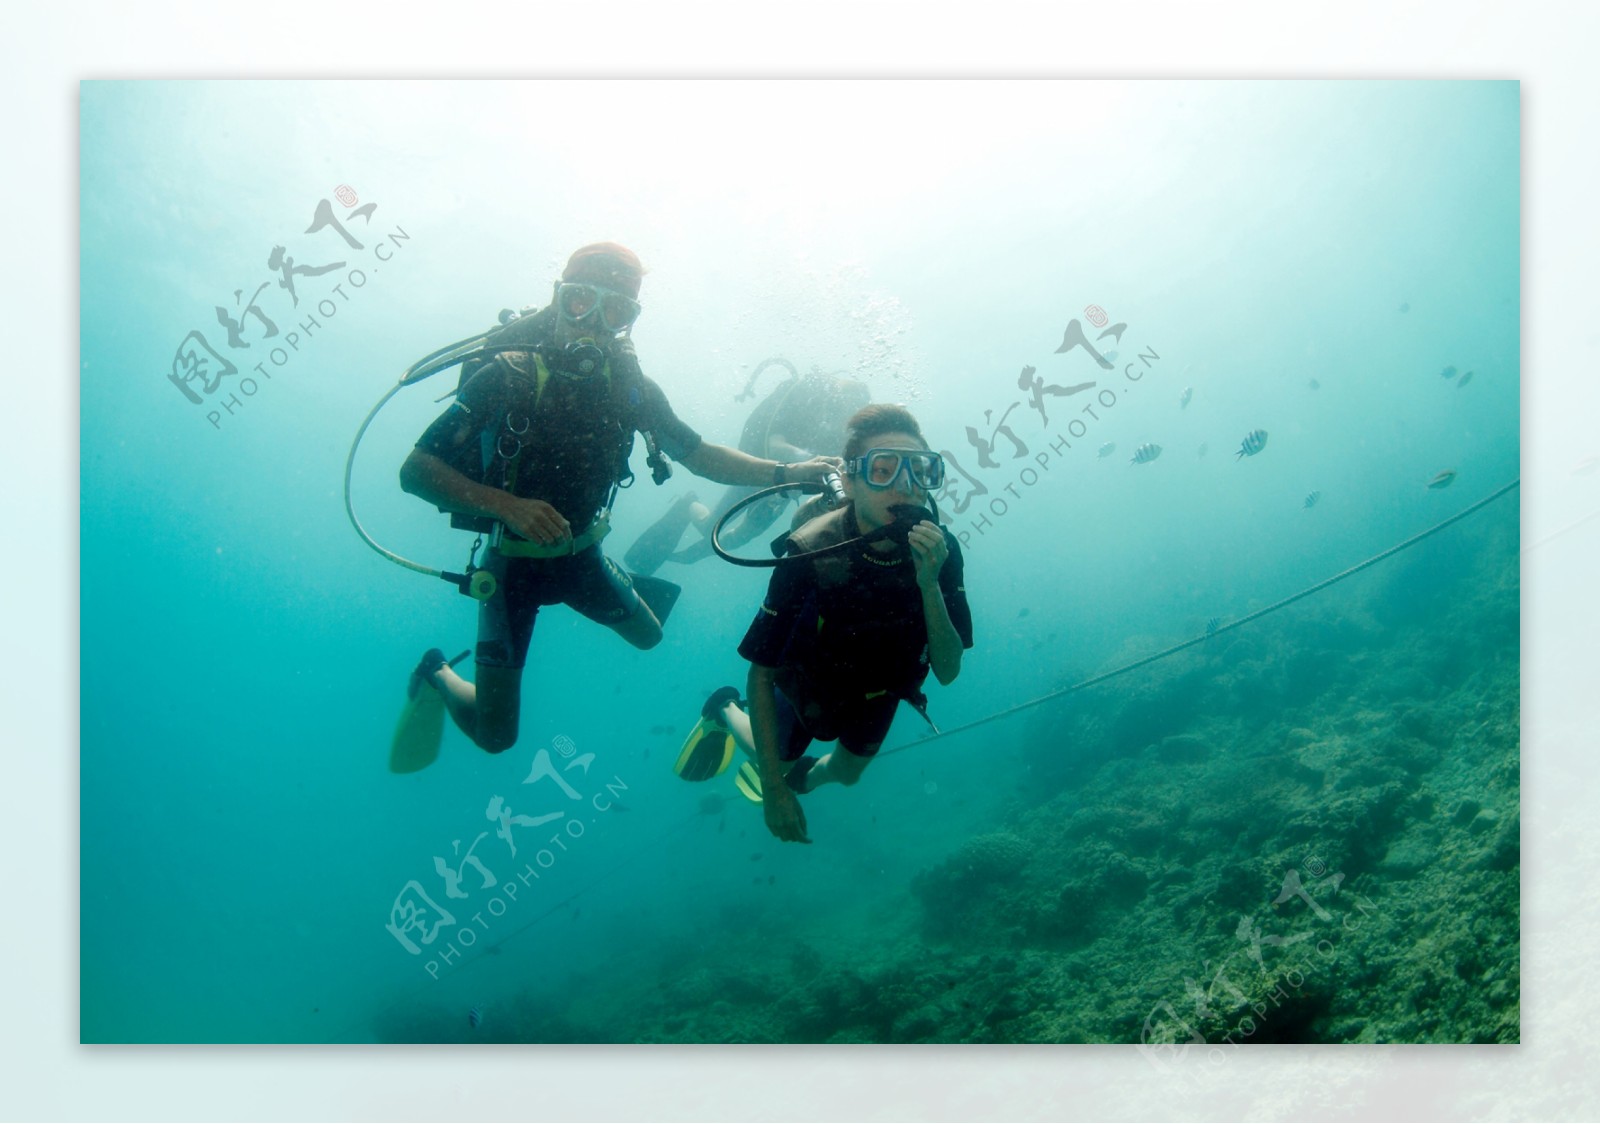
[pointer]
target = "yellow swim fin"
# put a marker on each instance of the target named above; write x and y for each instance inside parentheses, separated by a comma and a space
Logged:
(706, 754)
(417, 735)
(748, 782)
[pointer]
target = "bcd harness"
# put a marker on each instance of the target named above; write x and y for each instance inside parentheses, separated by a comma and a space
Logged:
(502, 441)
(606, 388)
(818, 541)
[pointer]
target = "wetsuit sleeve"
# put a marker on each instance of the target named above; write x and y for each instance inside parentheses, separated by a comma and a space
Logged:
(654, 414)
(953, 584)
(455, 435)
(768, 637)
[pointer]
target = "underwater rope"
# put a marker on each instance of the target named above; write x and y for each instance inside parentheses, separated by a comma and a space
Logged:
(1246, 619)
(1101, 678)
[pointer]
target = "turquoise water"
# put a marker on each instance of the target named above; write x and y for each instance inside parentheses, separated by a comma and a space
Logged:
(1056, 875)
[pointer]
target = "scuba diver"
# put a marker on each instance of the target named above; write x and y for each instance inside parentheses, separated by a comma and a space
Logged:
(803, 416)
(532, 453)
(853, 621)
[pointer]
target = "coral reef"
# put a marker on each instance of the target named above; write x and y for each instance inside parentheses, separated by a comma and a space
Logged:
(1306, 833)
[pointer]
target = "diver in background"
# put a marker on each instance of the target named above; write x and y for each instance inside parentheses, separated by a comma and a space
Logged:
(803, 416)
(842, 638)
(538, 441)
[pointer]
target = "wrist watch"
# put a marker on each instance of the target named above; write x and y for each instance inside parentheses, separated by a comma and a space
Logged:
(780, 474)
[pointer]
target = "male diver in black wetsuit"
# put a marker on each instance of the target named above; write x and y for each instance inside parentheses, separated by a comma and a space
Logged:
(537, 441)
(843, 637)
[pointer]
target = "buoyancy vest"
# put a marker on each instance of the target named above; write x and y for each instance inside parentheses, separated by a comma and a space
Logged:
(862, 633)
(558, 435)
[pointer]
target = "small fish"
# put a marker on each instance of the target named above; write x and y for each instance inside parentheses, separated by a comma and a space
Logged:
(663, 728)
(771, 878)
(1107, 449)
(1405, 306)
(1444, 479)
(1212, 625)
(1254, 442)
(1183, 399)
(1110, 356)
(618, 806)
(1311, 500)
(1448, 373)
(1463, 380)
(755, 856)
(1200, 452)
(1314, 384)
(1144, 454)
(475, 1018)
(1022, 612)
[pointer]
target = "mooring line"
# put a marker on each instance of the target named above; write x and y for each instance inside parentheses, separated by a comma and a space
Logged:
(1244, 620)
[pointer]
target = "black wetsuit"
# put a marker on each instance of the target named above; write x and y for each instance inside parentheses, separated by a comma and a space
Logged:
(848, 636)
(566, 445)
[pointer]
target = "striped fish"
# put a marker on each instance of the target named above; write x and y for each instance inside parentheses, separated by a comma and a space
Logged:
(1311, 500)
(1183, 399)
(1463, 380)
(1144, 454)
(475, 1018)
(1444, 479)
(1254, 442)
(1212, 625)
(1108, 448)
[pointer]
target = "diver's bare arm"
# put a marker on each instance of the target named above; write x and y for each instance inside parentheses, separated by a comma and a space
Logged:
(430, 478)
(762, 692)
(929, 551)
(731, 466)
(944, 642)
(780, 807)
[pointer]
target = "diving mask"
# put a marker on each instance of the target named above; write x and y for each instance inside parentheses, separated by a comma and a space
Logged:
(578, 302)
(880, 468)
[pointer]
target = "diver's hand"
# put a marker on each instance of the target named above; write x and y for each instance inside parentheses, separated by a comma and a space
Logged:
(928, 552)
(781, 809)
(535, 521)
(815, 469)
